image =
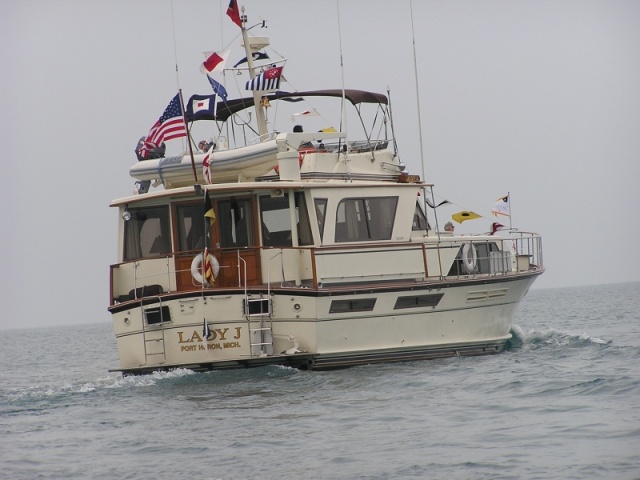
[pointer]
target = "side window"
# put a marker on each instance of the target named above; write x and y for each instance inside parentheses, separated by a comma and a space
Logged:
(276, 225)
(419, 219)
(236, 223)
(191, 227)
(363, 219)
(321, 209)
(302, 216)
(146, 233)
(276, 221)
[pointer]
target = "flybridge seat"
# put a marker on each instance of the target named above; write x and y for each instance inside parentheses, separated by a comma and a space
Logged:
(141, 292)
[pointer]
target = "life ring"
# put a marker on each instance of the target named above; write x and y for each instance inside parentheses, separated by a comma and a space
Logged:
(469, 258)
(196, 270)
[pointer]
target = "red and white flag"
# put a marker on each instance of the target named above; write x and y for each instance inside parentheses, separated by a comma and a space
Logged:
(496, 227)
(306, 113)
(214, 61)
(206, 163)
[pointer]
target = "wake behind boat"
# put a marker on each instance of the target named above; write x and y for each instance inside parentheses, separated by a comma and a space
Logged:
(307, 249)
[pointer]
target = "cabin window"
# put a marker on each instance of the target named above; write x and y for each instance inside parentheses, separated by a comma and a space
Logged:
(236, 223)
(362, 219)
(419, 219)
(146, 233)
(191, 227)
(353, 305)
(414, 301)
(276, 221)
(321, 209)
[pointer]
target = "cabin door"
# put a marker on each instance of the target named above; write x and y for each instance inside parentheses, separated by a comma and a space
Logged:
(235, 242)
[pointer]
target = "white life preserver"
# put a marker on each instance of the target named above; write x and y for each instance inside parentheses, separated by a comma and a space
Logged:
(469, 258)
(196, 270)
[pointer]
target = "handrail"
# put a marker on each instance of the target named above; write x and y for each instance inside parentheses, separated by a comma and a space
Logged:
(517, 253)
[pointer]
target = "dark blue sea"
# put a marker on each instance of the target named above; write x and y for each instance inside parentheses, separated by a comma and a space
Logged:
(562, 403)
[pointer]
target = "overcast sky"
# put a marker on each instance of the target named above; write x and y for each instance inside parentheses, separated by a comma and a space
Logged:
(537, 98)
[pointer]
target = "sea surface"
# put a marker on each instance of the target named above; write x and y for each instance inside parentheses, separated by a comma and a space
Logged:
(562, 403)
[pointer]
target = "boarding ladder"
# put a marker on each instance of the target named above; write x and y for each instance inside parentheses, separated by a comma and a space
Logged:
(153, 338)
(257, 309)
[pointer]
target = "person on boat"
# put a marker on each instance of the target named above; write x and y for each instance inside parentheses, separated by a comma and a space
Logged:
(306, 145)
(448, 227)
(204, 146)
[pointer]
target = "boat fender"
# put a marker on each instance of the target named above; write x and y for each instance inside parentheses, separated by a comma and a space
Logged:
(469, 258)
(196, 264)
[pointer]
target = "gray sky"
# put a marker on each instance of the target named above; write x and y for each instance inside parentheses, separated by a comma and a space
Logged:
(537, 98)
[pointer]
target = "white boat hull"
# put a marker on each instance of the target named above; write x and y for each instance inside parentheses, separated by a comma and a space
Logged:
(315, 338)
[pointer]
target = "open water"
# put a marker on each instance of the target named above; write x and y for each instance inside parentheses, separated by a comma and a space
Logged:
(562, 403)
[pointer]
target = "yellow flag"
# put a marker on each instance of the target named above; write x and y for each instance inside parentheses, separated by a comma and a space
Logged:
(464, 215)
(208, 207)
(211, 214)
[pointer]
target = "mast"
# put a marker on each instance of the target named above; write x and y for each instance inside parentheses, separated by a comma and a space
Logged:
(252, 45)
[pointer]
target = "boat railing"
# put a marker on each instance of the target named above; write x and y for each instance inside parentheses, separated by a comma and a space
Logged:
(141, 277)
(453, 257)
(263, 138)
(357, 146)
(471, 256)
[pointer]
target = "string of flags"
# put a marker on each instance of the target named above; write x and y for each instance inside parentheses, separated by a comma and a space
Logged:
(501, 207)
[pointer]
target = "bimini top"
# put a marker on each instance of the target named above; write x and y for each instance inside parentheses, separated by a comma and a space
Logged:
(225, 109)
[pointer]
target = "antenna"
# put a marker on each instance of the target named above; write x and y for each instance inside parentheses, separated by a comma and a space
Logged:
(415, 72)
(343, 116)
(248, 47)
(175, 50)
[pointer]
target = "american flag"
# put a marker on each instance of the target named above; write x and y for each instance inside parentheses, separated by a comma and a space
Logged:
(267, 80)
(170, 125)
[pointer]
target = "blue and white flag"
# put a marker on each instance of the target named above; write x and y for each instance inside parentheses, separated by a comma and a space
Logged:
(201, 107)
(267, 80)
(502, 206)
(218, 89)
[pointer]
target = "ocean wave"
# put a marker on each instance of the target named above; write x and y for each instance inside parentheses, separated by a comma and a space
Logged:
(551, 337)
(51, 392)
